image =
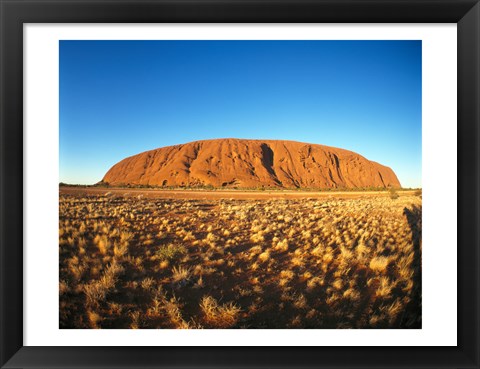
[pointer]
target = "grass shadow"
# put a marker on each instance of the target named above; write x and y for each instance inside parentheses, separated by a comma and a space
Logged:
(412, 317)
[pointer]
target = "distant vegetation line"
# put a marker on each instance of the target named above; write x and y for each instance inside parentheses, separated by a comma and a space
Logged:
(212, 188)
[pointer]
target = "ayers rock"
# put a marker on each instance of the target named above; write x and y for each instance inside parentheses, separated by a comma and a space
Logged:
(251, 163)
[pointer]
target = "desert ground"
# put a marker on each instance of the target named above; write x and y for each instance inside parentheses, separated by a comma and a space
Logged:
(133, 258)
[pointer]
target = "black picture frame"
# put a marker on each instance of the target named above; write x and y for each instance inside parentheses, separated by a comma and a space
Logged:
(14, 13)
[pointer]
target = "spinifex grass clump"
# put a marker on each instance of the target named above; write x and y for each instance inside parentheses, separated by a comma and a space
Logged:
(135, 262)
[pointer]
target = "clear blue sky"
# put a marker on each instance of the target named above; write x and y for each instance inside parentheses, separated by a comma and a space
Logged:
(120, 98)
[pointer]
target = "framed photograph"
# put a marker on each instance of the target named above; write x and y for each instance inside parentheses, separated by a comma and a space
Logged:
(239, 184)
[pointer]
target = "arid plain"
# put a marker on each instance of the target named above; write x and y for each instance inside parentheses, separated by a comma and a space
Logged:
(134, 258)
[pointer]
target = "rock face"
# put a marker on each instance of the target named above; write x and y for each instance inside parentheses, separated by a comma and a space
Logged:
(243, 163)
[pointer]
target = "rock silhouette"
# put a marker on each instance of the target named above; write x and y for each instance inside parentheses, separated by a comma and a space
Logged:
(241, 163)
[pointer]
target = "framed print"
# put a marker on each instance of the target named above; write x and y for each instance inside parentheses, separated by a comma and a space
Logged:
(239, 184)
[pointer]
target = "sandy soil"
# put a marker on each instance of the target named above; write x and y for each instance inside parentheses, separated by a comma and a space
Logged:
(227, 194)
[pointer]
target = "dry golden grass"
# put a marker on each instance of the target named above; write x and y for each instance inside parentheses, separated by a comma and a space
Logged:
(136, 262)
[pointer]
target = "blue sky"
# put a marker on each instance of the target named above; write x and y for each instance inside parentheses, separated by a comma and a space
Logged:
(120, 98)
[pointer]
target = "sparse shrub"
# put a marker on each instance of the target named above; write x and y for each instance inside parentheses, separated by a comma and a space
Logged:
(264, 256)
(63, 287)
(102, 243)
(171, 252)
(135, 317)
(181, 274)
(95, 293)
(282, 245)
(379, 264)
(93, 319)
(219, 316)
(393, 193)
(385, 288)
(148, 283)
(172, 307)
(120, 248)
